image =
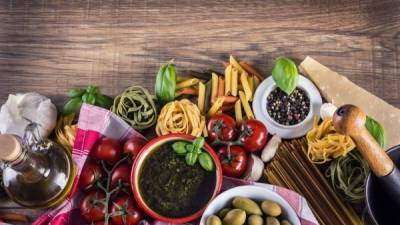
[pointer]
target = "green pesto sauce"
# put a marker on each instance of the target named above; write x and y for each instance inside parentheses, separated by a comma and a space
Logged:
(172, 188)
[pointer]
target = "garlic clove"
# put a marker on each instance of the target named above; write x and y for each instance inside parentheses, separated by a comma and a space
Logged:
(327, 110)
(270, 149)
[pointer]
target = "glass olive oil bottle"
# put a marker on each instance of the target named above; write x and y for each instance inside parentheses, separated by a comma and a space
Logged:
(38, 175)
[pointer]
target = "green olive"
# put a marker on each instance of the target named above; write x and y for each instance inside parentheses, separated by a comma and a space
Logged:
(246, 204)
(271, 208)
(213, 220)
(285, 222)
(222, 213)
(255, 220)
(235, 217)
(272, 221)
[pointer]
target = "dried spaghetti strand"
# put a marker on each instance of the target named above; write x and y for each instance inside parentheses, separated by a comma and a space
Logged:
(136, 107)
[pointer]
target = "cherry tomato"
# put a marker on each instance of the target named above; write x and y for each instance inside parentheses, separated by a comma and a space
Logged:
(92, 207)
(91, 173)
(121, 174)
(227, 125)
(235, 163)
(130, 211)
(107, 149)
(133, 146)
(254, 135)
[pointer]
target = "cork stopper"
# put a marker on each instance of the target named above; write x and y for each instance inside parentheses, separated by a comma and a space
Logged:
(10, 148)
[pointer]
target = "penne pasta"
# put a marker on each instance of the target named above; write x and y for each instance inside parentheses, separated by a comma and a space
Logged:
(251, 70)
(214, 87)
(246, 106)
(186, 91)
(251, 85)
(246, 86)
(235, 64)
(216, 107)
(221, 86)
(230, 99)
(238, 112)
(234, 81)
(201, 97)
(187, 83)
(228, 79)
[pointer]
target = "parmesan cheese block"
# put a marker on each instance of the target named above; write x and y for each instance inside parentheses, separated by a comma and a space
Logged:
(339, 90)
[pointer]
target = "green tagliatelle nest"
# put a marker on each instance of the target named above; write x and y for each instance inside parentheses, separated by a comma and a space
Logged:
(348, 175)
(136, 106)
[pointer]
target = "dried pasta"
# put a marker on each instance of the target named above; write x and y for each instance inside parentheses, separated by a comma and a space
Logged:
(180, 117)
(136, 107)
(325, 143)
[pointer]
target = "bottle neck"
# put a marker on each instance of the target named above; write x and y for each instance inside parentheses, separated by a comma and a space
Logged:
(30, 165)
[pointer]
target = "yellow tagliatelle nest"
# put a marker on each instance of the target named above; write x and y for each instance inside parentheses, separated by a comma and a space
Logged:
(325, 143)
(180, 117)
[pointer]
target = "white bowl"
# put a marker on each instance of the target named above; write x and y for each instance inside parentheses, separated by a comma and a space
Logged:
(284, 131)
(256, 193)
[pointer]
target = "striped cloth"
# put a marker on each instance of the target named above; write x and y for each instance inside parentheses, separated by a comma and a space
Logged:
(94, 123)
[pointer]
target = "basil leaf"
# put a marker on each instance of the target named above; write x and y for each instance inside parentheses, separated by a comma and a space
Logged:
(85, 97)
(166, 83)
(285, 75)
(75, 92)
(191, 158)
(376, 130)
(180, 147)
(92, 89)
(206, 161)
(198, 144)
(91, 99)
(104, 101)
(72, 106)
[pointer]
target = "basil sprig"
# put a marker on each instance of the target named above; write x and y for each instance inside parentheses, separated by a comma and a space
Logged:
(376, 130)
(285, 75)
(166, 83)
(90, 95)
(193, 152)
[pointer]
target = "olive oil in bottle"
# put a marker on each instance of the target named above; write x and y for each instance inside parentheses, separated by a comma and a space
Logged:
(38, 175)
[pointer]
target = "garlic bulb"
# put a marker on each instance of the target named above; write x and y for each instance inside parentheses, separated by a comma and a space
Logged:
(22, 109)
(327, 110)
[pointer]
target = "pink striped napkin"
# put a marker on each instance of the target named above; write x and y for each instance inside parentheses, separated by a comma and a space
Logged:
(95, 122)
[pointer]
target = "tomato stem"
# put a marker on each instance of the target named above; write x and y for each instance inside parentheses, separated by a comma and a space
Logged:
(108, 192)
(217, 128)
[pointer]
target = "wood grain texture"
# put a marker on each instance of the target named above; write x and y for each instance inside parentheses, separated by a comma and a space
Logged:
(49, 46)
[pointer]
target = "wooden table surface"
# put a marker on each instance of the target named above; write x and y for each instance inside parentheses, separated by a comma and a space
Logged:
(49, 46)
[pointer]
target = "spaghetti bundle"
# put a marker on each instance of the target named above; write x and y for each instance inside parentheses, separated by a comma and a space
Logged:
(325, 143)
(292, 169)
(136, 106)
(180, 117)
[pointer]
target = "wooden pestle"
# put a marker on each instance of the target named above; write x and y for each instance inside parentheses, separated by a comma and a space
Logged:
(350, 120)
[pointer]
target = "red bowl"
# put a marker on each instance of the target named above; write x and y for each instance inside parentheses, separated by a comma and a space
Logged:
(153, 145)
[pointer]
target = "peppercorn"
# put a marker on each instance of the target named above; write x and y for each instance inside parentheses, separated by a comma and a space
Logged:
(288, 109)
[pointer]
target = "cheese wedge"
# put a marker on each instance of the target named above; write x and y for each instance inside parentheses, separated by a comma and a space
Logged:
(339, 90)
